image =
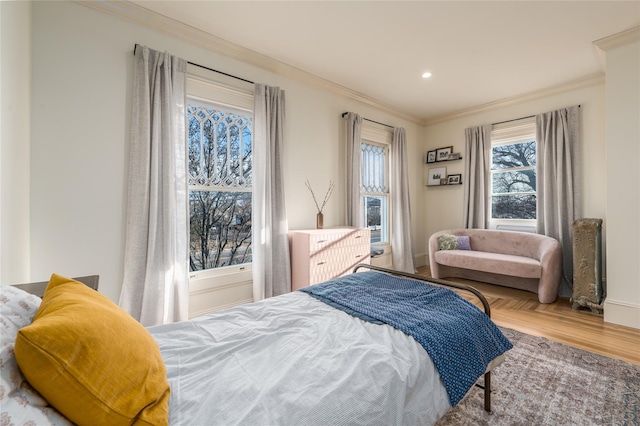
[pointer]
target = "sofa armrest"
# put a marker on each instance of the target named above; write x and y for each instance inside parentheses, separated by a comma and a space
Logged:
(433, 248)
(550, 257)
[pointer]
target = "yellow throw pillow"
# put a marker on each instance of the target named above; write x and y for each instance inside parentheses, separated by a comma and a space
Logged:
(91, 360)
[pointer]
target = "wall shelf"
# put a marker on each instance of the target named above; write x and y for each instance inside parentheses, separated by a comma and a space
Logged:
(444, 161)
(448, 184)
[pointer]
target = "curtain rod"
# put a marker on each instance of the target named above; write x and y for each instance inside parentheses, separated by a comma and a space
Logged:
(207, 68)
(516, 119)
(372, 121)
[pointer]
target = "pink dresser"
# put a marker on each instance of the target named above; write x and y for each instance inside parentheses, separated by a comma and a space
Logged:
(318, 255)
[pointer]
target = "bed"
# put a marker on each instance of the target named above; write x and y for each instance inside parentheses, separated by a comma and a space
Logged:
(323, 355)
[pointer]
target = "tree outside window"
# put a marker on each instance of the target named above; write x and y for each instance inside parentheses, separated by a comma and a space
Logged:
(513, 180)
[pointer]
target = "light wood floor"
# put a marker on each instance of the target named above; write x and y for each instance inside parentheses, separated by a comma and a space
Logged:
(520, 310)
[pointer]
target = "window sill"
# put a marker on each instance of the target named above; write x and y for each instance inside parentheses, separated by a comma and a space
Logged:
(245, 268)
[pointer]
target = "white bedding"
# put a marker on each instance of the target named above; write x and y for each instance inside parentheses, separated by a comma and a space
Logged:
(293, 360)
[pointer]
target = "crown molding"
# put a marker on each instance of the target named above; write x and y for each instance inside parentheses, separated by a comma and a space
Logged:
(591, 80)
(144, 17)
(617, 40)
(162, 24)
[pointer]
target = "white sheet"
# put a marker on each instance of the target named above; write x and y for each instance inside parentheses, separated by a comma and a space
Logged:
(292, 360)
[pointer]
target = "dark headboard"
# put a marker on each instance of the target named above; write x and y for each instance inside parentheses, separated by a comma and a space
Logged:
(39, 288)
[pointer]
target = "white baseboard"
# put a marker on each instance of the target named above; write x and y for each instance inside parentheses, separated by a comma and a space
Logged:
(622, 313)
(421, 259)
(385, 261)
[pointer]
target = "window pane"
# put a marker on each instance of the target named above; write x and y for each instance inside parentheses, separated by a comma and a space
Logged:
(375, 208)
(513, 206)
(220, 150)
(195, 149)
(373, 168)
(220, 147)
(220, 228)
(514, 181)
(514, 156)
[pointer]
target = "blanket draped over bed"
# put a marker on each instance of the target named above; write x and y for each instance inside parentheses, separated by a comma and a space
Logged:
(460, 350)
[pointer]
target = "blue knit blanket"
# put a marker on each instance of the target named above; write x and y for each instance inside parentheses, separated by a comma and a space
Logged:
(460, 339)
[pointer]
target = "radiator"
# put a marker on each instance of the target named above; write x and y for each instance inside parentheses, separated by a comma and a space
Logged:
(588, 288)
(518, 228)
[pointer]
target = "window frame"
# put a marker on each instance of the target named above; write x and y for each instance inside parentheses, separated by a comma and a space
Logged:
(233, 97)
(382, 136)
(510, 133)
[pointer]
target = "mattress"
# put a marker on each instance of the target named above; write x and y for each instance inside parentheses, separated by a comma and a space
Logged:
(293, 360)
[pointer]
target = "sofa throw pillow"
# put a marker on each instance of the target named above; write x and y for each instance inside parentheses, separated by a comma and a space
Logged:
(453, 242)
(91, 360)
(463, 242)
(447, 242)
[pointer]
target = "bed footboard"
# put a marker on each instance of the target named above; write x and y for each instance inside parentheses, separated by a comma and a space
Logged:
(485, 304)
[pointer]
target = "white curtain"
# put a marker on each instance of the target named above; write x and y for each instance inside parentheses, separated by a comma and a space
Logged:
(401, 241)
(558, 178)
(477, 157)
(155, 289)
(270, 245)
(354, 203)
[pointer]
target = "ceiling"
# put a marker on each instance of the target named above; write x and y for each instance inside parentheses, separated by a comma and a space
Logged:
(479, 52)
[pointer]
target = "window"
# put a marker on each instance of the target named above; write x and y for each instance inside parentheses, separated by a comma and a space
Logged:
(513, 171)
(374, 169)
(220, 182)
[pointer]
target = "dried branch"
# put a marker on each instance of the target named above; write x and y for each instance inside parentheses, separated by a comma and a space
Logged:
(326, 197)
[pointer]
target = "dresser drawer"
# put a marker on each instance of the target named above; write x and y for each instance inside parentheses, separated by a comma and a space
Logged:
(338, 238)
(319, 255)
(337, 262)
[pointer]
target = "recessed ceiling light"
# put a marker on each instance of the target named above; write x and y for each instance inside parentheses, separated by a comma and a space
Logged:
(426, 75)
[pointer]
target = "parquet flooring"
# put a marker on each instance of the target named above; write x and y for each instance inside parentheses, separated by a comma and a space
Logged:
(520, 310)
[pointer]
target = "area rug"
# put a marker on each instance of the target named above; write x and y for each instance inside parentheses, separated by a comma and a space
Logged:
(542, 382)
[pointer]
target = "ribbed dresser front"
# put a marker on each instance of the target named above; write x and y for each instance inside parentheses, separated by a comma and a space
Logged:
(318, 255)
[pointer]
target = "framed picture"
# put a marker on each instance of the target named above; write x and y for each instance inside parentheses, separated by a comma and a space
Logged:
(436, 174)
(431, 156)
(454, 179)
(454, 156)
(442, 154)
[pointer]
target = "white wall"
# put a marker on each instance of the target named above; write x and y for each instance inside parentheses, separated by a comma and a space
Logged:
(15, 90)
(444, 205)
(82, 67)
(589, 94)
(82, 63)
(623, 178)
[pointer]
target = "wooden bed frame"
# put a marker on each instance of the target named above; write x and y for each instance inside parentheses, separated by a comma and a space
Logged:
(444, 283)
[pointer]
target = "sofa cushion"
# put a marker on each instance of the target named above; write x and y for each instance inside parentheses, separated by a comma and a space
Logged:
(495, 263)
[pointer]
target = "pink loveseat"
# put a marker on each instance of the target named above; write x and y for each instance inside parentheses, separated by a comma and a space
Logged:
(519, 260)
